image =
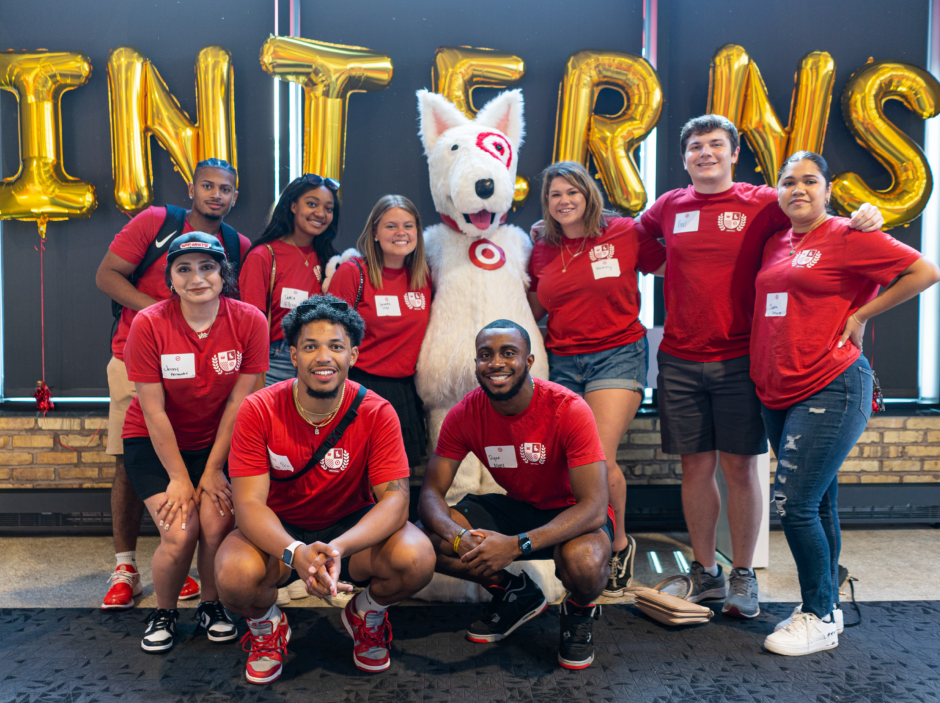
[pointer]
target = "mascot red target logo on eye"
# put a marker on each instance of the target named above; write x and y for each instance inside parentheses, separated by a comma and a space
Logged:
(496, 146)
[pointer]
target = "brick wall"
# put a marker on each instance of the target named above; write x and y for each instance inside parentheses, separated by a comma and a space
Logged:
(66, 452)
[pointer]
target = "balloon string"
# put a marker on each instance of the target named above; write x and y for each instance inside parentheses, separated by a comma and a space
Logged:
(42, 307)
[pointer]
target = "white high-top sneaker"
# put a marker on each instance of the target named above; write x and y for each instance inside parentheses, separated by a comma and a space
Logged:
(804, 635)
(836, 615)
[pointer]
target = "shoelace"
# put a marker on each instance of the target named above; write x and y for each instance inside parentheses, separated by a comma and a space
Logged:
(213, 609)
(122, 577)
(584, 628)
(264, 644)
(615, 566)
(161, 619)
(740, 584)
(372, 637)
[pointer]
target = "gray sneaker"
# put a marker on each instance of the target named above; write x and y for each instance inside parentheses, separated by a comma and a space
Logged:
(621, 570)
(742, 601)
(704, 585)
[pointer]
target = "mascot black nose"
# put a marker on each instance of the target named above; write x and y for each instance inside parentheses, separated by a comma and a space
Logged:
(485, 187)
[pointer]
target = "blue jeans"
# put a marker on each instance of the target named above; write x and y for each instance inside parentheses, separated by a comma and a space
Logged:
(811, 440)
(281, 367)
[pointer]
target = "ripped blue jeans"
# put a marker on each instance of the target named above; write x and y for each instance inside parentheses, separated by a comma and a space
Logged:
(811, 440)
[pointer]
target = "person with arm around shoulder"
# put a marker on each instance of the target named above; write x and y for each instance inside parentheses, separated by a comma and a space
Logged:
(583, 273)
(132, 275)
(285, 264)
(388, 282)
(817, 288)
(194, 358)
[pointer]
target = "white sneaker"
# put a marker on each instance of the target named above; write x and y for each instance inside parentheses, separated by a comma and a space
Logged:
(836, 615)
(297, 590)
(804, 635)
(283, 597)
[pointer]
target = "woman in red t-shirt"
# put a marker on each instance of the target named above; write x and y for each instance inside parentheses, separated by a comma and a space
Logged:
(583, 274)
(291, 251)
(816, 289)
(193, 359)
(389, 284)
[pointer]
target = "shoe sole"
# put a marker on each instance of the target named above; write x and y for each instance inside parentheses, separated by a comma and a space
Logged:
(194, 595)
(787, 652)
(224, 638)
(158, 649)
(359, 665)
(612, 594)
(485, 639)
(735, 612)
(575, 665)
(714, 594)
(274, 677)
(106, 606)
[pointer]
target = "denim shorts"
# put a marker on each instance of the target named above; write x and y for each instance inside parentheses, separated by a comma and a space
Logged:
(281, 368)
(621, 367)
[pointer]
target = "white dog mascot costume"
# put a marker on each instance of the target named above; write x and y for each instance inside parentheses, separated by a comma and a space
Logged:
(479, 267)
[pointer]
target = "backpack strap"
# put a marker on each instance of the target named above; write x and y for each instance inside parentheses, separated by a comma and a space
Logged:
(233, 247)
(331, 438)
(361, 283)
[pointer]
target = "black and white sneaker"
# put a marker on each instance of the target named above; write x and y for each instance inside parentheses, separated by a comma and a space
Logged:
(161, 631)
(519, 599)
(576, 650)
(621, 570)
(218, 625)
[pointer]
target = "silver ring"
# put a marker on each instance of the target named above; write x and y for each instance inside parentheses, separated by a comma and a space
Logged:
(169, 504)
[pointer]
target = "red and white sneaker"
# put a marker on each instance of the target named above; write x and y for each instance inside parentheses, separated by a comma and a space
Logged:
(190, 589)
(268, 647)
(124, 585)
(372, 636)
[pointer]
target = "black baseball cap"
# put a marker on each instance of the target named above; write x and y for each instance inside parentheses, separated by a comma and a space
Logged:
(196, 243)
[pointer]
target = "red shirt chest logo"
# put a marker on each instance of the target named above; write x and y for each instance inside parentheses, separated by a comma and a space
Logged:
(533, 452)
(415, 301)
(601, 252)
(335, 461)
(227, 362)
(731, 221)
(806, 259)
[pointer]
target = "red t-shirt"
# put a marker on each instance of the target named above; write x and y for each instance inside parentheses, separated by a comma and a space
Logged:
(714, 244)
(804, 301)
(528, 454)
(396, 318)
(297, 276)
(131, 244)
(270, 435)
(197, 374)
(595, 304)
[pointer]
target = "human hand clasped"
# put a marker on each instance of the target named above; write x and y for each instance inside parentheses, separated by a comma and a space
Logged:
(492, 553)
(319, 565)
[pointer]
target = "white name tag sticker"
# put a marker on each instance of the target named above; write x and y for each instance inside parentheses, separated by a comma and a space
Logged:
(501, 457)
(606, 268)
(292, 297)
(178, 365)
(387, 306)
(279, 463)
(776, 305)
(686, 222)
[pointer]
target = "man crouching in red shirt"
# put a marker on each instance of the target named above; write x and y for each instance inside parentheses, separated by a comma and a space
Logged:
(540, 443)
(319, 518)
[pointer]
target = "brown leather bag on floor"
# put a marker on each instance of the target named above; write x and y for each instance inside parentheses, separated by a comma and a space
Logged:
(670, 609)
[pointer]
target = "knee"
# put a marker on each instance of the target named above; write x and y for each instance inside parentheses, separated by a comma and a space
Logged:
(216, 527)
(414, 559)
(179, 544)
(585, 563)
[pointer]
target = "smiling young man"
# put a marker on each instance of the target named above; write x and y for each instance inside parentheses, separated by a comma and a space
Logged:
(540, 443)
(319, 519)
(715, 231)
(132, 274)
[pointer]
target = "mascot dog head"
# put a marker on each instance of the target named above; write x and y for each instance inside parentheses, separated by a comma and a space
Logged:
(472, 162)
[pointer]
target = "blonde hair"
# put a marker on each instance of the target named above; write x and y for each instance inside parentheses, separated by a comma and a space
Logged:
(372, 252)
(595, 216)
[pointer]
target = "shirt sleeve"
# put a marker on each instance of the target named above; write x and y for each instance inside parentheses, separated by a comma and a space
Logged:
(877, 256)
(256, 357)
(579, 434)
(132, 242)
(650, 251)
(345, 282)
(651, 222)
(141, 354)
(248, 455)
(254, 282)
(387, 458)
(451, 443)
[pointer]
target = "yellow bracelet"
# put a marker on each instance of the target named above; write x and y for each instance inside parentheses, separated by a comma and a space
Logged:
(857, 321)
(457, 540)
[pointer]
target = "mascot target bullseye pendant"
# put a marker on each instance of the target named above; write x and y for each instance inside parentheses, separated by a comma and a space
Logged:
(486, 255)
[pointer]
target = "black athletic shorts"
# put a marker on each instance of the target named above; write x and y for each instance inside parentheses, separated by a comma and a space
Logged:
(704, 406)
(507, 516)
(327, 534)
(145, 470)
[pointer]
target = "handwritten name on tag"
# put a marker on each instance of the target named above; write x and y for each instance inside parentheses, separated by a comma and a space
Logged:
(387, 306)
(292, 297)
(178, 365)
(503, 457)
(776, 305)
(606, 268)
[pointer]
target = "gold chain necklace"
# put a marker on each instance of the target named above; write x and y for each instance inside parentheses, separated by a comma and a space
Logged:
(306, 259)
(305, 413)
(205, 333)
(564, 266)
(793, 247)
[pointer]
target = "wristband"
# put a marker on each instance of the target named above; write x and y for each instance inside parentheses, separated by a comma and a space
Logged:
(859, 323)
(457, 540)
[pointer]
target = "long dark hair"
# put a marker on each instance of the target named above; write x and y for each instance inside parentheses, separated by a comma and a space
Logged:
(226, 271)
(281, 221)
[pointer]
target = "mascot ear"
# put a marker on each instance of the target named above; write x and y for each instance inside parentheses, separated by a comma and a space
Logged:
(504, 112)
(437, 115)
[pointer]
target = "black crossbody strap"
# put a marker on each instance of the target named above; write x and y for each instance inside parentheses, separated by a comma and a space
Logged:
(331, 438)
(361, 282)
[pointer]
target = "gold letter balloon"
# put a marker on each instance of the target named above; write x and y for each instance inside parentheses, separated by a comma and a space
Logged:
(142, 106)
(458, 70)
(329, 73)
(42, 190)
(611, 140)
(737, 91)
(863, 101)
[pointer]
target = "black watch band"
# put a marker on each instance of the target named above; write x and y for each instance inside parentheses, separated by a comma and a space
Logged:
(525, 544)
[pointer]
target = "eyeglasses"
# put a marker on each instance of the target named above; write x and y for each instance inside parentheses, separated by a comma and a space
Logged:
(304, 308)
(317, 181)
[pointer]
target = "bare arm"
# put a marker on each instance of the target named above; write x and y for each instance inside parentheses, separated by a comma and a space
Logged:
(537, 310)
(661, 271)
(432, 507)
(112, 279)
(387, 517)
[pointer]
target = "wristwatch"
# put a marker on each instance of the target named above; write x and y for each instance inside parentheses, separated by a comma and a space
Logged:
(288, 556)
(525, 544)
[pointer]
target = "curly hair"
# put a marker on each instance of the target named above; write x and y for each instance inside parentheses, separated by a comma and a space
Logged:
(323, 307)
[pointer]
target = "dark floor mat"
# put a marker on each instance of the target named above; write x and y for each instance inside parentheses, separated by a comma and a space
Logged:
(87, 656)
